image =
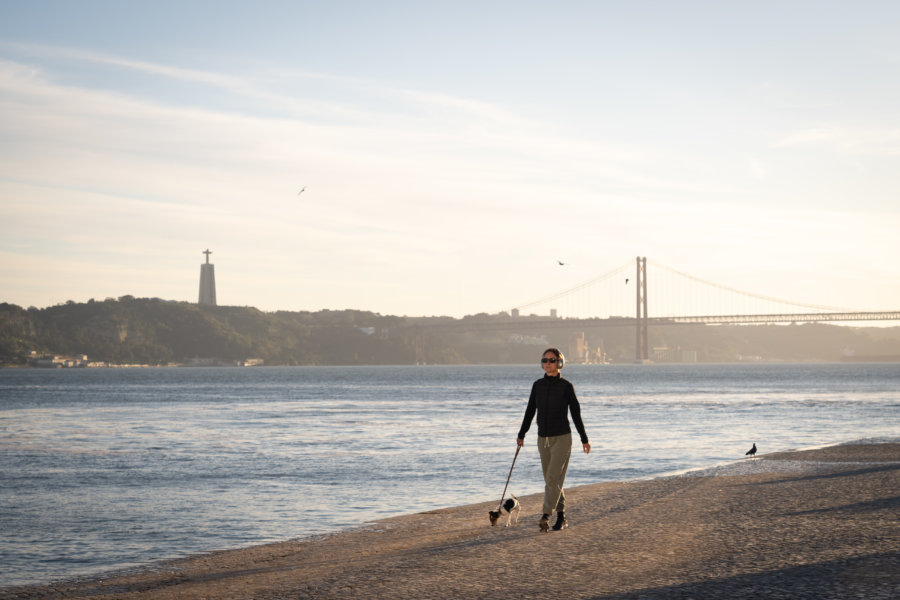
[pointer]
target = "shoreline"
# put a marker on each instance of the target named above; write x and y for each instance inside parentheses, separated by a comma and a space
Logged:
(874, 359)
(817, 523)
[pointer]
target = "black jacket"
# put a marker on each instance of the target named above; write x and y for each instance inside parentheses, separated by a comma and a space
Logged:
(552, 398)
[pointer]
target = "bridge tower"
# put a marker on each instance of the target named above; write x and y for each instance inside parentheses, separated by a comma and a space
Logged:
(641, 339)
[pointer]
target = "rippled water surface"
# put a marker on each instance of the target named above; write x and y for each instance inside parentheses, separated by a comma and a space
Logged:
(111, 468)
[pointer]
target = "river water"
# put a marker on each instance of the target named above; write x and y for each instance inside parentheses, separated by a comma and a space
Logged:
(106, 469)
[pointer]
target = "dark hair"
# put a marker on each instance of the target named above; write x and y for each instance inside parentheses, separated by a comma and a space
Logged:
(560, 359)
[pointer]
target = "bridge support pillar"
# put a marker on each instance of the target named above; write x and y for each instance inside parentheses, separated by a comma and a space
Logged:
(641, 337)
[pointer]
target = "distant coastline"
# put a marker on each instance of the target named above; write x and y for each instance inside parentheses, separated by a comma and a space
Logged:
(872, 358)
(151, 332)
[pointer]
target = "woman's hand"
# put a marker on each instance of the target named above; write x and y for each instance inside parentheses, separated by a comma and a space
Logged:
(520, 442)
(586, 448)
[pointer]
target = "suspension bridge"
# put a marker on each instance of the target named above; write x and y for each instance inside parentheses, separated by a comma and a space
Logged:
(626, 295)
(677, 298)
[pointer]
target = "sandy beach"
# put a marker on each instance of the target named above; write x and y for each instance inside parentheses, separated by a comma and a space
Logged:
(811, 524)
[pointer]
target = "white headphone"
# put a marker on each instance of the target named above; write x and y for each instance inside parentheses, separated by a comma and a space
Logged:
(560, 358)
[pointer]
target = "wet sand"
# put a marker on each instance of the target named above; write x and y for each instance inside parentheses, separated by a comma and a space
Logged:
(817, 524)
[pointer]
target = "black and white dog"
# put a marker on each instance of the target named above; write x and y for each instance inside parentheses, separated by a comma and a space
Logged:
(509, 507)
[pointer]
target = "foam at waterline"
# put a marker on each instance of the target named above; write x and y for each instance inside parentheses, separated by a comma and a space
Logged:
(762, 465)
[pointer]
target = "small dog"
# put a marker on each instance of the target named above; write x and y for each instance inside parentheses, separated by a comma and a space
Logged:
(509, 507)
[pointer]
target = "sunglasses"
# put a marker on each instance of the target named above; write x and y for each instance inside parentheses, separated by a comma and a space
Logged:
(548, 360)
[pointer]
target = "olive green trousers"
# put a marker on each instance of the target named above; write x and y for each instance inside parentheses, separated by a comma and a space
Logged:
(555, 452)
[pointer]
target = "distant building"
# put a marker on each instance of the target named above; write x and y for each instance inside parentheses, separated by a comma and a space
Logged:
(59, 362)
(581, 350)
(674, 355)
(207, 282)
(249, 362)
(578, 348)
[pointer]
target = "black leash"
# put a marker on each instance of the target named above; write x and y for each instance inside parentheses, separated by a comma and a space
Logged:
(508, 476)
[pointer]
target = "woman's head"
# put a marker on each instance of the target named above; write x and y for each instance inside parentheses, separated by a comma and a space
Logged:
(552, 360)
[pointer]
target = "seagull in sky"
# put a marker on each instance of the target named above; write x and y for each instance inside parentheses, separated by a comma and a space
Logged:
(561, 263)
(626, 281)
(301, 191)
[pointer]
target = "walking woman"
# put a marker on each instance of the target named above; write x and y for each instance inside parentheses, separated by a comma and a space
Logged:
(553, 399)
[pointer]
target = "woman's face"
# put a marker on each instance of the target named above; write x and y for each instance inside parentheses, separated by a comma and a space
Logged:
(550, 368)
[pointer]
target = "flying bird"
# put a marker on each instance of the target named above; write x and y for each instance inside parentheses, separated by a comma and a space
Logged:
(301, 191)
(561, 263)
(626, 281)
(751, 451)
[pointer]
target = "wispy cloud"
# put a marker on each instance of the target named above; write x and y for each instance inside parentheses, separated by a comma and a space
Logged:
(432, 134)
(846, 140)
(407, 189)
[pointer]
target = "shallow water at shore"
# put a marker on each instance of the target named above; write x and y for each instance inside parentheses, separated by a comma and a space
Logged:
(108, 468)
(816, 524)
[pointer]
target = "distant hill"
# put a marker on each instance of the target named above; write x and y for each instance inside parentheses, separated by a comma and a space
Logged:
(132, 330)
(152, 331)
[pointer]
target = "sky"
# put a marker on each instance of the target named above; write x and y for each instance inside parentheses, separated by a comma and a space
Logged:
(451, 153)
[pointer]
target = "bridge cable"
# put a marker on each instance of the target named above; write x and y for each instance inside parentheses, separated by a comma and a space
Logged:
(757, 296)
(578, 287)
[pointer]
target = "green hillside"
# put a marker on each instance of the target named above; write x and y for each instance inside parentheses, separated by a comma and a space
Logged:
(132, 330)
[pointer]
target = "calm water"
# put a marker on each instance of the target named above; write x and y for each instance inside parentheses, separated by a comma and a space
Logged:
(106, 469)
